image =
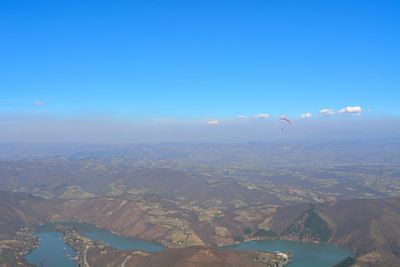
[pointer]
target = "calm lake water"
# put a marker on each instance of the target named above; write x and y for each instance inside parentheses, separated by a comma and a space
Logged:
(303, 254)
(54, 252)
(114, 240)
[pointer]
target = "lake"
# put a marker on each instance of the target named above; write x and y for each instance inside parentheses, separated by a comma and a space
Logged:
(303, 254)
(114, 240)
(54, 252)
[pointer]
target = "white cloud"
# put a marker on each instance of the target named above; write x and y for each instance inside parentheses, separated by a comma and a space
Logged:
(306, 115)
(38, 103)
(262, 116)
(213, 122)
(351, 109)
(242, 117)
(327, 111)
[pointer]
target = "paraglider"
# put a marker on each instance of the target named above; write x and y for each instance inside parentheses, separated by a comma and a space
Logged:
(286, 120)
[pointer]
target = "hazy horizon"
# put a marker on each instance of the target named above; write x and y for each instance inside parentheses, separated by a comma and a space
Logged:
(118, 130)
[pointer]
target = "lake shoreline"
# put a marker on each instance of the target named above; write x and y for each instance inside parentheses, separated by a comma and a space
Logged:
(81, 243)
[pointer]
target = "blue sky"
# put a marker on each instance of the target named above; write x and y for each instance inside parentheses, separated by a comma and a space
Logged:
(195, 60)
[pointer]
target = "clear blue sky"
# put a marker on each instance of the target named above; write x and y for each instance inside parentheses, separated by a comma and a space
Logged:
(199, 59)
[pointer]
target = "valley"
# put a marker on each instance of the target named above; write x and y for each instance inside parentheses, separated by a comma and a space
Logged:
(184, 197)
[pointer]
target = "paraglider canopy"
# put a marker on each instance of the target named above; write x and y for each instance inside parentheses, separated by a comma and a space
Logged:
(286, 120)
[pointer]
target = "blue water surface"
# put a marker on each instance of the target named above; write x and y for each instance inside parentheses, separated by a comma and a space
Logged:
(304, 254)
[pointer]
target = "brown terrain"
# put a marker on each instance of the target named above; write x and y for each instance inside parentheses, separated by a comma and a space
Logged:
(368, 226)
(183, 257)
(181, 196)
